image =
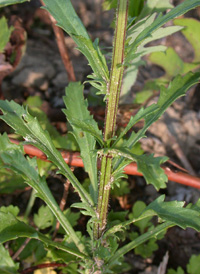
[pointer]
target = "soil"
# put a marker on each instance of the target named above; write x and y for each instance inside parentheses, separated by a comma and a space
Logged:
(41, 72)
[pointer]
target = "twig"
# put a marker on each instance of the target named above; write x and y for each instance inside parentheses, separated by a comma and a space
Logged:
(73, 159)
(19, 251)
(60, 39)
(40, 266)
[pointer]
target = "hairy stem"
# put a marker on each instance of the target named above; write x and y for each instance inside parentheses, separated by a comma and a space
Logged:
(114, 88)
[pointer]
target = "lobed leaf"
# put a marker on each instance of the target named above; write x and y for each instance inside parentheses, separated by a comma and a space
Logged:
(160, 21)
(11, 228)
(27, 126)
(192, 33)
(171, 63)
(7, 265)
(12, 157)
(83, 125)
(44, 218)
(177, 88)
(133, 59)
(148, 165)
(175, 212)
(88, 127)
(66, 18)
(138, 241)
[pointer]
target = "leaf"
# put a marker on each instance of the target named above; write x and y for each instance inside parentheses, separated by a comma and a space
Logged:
(109, 4)
(194, 264)
(5, 33)
(120, 189)
(146, 250)
(141, 114)
(130, 76)
(160, 21)
(76, 109)
(134, 59)
(171, 63)
(73, 218)
(13, 158)
(4, 3)
(152, 6)
(148, 165)
(87, 127)
(135, 7)
(175, 212)
(138, 241)
(177, 88)
(7, 265)
(66, 18)
(137, 209)
(28, 127)
(12, 209)
(179, 271)
(11, 228)
(9, 181)
(192, 34)
(95, 57)
(44, 218)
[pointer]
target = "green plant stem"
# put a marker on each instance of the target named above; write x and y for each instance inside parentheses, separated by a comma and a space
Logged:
(113, 94)
(30, 203)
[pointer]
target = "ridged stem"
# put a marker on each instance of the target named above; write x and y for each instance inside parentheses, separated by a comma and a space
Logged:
(113, 94)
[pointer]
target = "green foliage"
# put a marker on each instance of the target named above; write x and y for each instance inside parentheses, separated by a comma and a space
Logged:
(121, 188)
(67, 19)
(44, 218)
(9, 181)
(12, 209)
(146, 249)
(192, 267)
(174, 212)
(194, 264)
(4, 3)
(27, 126)
(171, 62)
(146, 30)
(34, 103)
(7, 265)
(178, 271)
(137, 209)
(192, 34)
(99, 251)
(5, 34)
(33, 251)
(85, 129)
(11, 228)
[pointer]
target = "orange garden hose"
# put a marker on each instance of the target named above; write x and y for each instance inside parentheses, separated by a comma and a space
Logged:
(74, 159)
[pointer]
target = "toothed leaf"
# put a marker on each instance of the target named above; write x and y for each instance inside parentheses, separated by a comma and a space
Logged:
(27, 126)
(77, 110)
(11, 229)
